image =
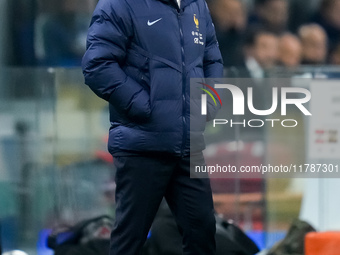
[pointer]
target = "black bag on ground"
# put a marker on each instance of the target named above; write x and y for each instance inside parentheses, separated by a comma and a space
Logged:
(294, 242)
(165, 238)
(230, 239)
(88, 237)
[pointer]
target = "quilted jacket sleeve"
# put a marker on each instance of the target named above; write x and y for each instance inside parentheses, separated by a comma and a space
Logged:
(212, 62)
(107, 41)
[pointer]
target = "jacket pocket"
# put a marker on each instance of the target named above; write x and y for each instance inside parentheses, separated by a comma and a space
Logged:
(137, 67)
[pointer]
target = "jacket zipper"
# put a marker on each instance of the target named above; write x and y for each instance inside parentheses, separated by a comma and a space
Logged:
(183, 82)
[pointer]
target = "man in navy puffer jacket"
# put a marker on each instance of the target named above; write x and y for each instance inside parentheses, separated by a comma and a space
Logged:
(140, 57)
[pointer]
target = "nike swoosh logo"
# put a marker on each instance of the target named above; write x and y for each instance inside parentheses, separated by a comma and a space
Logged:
(153, 22)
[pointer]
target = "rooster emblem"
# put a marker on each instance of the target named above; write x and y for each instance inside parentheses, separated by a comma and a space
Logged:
(196, 22)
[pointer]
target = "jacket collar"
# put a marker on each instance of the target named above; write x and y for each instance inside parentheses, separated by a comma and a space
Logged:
(173, 3)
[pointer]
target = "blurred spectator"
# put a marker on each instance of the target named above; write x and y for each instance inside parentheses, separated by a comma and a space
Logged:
(335, 56)
(290, 50)
(300, 13)
(314, 44)
(272, 15)
(61, 33)
(261, 52)
(22, 14)
(329, 18)
(230, 20)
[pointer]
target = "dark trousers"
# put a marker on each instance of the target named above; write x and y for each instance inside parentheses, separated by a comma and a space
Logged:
(142, 182)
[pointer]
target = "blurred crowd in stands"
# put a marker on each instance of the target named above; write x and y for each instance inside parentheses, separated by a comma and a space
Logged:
(266, 35)
(253, 35)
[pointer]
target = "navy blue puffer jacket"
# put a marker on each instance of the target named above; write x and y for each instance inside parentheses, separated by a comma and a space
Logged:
(140, 57)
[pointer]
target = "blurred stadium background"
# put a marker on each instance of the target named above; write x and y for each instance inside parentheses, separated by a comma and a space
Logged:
(54, 168)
